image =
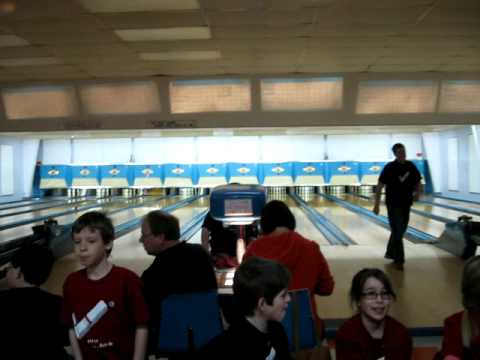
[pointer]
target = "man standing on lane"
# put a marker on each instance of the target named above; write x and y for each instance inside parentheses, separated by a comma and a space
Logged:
(402, 180)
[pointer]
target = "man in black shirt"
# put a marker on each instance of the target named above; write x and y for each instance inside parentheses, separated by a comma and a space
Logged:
(402, 181)
(178, 267)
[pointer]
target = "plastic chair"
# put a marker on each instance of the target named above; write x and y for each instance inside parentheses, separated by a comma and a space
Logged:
(188, 322)
(299, 322)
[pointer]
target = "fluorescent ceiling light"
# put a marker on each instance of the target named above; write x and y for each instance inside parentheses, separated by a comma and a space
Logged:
(181, 55)
(30, 61)
(12, 40)
(138, 5)
(165, 34)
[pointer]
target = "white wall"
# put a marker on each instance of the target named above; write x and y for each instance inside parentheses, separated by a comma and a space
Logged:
(30, 149)
(463, 165)
(363, 147)
(432, 148)
(11, 169)
(308, 148)
(276, 149)
(179, 150)
(98, 151)
(412, 142)
(6, 170)
(222, 149)
(452, 163)
(473, 165)
(56, 152)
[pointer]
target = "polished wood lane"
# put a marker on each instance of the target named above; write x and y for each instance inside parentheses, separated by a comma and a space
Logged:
(425, 224)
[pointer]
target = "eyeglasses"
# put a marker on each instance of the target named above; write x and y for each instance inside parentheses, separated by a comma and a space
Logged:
(372, 295)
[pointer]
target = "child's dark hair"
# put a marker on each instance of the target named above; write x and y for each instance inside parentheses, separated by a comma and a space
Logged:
(95, 220)
(275, 214)
(397, 146)
(35, 262)
(359, 280)
(161, 222)
(256, 278)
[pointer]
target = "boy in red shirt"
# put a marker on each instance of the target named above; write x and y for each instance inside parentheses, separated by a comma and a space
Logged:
(103, 303)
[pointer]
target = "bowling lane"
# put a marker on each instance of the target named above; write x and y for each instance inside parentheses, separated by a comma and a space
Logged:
(37, 210)
(304, 225)
(127, 250)
(358, 228)
(25, 230)
(440, 211)
(436, 210)
(467, 205)
(22, 203)
(430, 226)
(56, 209)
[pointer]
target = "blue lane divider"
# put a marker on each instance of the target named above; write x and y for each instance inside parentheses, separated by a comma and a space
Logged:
(132, 224)
(332, 233)
(418, 212)
(67, 212)
(451, 207)
(187, 231)
(456, 199)
(414, 234)
(72, 204)
(29, 203)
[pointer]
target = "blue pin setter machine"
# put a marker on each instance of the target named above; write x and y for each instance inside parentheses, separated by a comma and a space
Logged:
(236, 204)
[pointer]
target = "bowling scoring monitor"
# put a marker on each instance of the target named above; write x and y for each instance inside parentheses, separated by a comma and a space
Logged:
(238, 207)
(237, 204)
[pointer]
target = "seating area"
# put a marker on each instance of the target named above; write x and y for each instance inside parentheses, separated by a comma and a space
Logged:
(190, 321)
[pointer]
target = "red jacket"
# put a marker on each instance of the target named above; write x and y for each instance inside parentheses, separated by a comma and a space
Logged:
(353, 341)
(452, 339)
(301, 256)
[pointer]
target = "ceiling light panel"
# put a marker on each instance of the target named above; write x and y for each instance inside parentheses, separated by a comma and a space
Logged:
(12, 40)
(181, 55)
(166, 34)
(111, 6)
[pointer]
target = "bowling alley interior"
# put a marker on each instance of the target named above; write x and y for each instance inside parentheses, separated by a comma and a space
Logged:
(126, 107)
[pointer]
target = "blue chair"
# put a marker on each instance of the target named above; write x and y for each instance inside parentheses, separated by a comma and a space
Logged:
(299, 322)
(188, 322)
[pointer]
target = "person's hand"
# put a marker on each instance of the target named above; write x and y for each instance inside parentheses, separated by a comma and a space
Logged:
(376, 209)
(416, 196)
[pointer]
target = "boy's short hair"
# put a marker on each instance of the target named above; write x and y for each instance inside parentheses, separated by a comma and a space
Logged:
(95, 220)
(256, 278)
(275, 214)
(161, 222)
(471, 283)
(360, 278)
(35, 262)
(397, 146)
